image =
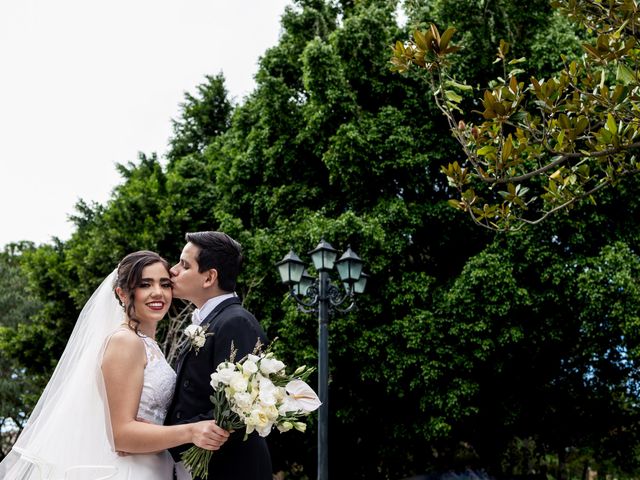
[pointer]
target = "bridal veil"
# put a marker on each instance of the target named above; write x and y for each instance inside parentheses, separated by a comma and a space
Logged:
(68, 435)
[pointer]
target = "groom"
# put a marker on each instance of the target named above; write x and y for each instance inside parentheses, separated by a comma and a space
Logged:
(206, 275)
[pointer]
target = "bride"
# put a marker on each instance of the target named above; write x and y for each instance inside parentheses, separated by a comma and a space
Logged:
(100, 416)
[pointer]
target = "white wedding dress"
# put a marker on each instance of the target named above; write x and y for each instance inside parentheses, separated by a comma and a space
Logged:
(68, 435)
(157, 390)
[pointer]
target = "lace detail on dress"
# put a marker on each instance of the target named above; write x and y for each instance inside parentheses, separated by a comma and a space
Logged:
(159, 382)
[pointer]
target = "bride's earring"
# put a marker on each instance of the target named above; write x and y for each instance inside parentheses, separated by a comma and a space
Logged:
(122, 297)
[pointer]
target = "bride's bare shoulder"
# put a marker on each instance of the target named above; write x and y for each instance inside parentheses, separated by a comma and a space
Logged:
(124, 340)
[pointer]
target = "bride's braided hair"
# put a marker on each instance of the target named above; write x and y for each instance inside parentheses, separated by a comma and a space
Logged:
(129, 278)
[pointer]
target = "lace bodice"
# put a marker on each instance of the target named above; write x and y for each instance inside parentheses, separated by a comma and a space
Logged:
(159, 382)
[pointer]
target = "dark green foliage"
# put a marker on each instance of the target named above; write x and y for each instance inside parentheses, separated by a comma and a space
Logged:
(541, 144)
(203, 118)
(469, 348)
(18, 305)
(531, 27)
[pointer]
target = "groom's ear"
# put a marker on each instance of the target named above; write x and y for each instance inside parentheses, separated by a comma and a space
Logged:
(211, 278)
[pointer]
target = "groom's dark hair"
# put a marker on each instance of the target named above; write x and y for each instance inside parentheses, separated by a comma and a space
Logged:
(218, 250)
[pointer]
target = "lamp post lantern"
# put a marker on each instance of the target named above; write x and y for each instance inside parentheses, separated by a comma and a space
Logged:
(320, 295)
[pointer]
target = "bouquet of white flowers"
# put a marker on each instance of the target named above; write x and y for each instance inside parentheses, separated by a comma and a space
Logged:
(255, 393)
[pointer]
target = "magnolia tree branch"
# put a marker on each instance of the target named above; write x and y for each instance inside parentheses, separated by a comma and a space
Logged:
(174, 340)
(548, 144)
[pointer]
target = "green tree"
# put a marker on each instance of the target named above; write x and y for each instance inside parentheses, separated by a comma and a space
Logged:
(469, 348)
(541, 144)
(151, 209)
(18, 389)
(203, 117)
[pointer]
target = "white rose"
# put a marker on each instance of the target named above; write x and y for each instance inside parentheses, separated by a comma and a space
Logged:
(226, 366)
(271, 412)
(215, 380)
(238, 383)
(223, 375)
(243, 400)
(249, 367)
(258, 420)
(253, 358)
(270, 365)
(280, 394)
(267, 391)
(192, 330)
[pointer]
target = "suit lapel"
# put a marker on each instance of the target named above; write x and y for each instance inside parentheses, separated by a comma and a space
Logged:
(206, 324)
(182, 355)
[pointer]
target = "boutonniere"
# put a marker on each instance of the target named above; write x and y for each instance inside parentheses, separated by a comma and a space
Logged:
(197, 336)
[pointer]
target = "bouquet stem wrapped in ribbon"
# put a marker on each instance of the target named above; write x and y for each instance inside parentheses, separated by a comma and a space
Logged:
(255, 393)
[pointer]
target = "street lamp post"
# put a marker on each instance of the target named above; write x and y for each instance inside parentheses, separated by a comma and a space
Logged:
(319, 295)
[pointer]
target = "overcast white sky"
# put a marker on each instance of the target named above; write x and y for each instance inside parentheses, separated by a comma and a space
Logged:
(86, 84)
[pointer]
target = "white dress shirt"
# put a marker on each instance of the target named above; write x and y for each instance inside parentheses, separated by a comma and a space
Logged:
(199, 314)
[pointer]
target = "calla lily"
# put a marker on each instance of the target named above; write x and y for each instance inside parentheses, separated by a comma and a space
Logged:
(301, 397)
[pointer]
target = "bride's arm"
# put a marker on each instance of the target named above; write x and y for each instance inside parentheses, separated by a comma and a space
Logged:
(123, 371)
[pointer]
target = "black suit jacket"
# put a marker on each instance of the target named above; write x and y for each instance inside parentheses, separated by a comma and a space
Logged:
(237, 459)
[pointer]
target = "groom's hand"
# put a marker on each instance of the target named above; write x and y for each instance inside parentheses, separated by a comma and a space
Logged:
(208, 435)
